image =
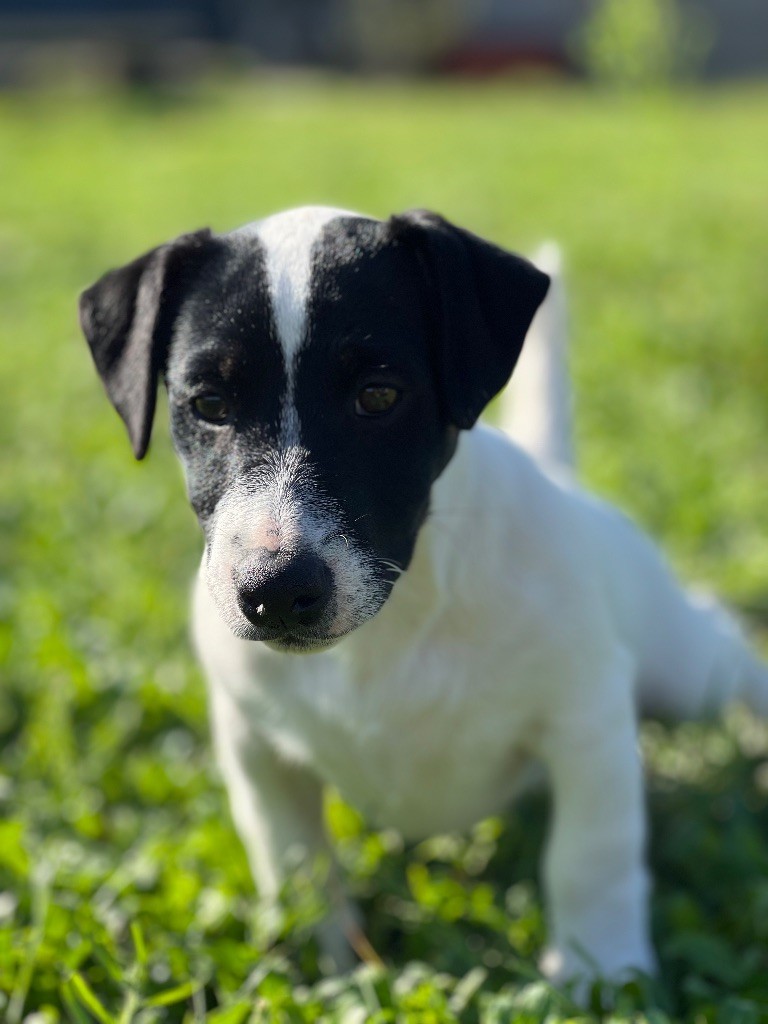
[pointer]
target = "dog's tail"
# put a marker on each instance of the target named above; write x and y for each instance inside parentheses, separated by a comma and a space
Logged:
(536, 406)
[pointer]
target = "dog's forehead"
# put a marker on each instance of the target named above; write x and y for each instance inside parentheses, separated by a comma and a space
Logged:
(290, 245)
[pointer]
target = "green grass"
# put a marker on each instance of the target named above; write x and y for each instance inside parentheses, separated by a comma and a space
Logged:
(124, 894)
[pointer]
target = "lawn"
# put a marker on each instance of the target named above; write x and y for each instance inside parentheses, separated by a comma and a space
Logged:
(124, 894)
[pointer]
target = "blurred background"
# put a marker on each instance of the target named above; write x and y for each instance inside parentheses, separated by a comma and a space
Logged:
(634, 132)
(141, 40)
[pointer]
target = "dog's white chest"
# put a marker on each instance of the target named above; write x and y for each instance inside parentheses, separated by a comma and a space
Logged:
(382, 739)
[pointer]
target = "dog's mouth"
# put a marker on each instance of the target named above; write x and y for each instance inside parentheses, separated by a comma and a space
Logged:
(303, 645)
(295, 642)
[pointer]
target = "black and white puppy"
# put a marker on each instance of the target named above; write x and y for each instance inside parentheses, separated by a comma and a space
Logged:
(393, 598)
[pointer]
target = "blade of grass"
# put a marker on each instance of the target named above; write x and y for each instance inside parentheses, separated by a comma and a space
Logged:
(173, 995)
(88, 999)
(40, 883)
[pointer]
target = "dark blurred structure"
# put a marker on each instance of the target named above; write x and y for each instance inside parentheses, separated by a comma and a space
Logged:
(126, 39)
(146, 39)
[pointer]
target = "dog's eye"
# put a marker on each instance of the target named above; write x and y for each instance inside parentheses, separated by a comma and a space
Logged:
(211, 408)
(375, 400)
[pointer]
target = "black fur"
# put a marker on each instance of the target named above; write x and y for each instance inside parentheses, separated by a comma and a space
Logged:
(122, 317)
(484, 300)
(224, 341)
(369, 324)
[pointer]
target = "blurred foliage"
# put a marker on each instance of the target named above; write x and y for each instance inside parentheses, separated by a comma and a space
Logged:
(124, 893)
(643, 43)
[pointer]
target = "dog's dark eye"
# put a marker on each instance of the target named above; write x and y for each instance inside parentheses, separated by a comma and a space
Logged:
(375, 400)
(211, 408)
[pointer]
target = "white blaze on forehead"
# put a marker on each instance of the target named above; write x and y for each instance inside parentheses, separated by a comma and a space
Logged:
(288, 239)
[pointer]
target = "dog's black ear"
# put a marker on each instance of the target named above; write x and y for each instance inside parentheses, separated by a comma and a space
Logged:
(123, 317)
(485, 299)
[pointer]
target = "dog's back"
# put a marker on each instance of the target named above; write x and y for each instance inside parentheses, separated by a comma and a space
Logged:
(692, 657)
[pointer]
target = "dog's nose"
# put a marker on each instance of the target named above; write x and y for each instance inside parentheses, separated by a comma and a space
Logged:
(280, 594)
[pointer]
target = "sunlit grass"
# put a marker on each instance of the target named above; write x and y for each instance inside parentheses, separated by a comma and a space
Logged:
(122, 885)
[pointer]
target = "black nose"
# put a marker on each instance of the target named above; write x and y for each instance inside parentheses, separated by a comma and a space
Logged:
(280, 593)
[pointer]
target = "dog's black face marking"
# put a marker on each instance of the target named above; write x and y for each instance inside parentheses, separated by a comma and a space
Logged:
(367, 326)
(319, 366)
(224, 343)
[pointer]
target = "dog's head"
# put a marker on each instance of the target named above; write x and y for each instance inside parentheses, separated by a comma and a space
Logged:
(319, 365)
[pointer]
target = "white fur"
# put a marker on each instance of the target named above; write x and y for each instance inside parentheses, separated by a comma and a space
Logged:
(530, 624)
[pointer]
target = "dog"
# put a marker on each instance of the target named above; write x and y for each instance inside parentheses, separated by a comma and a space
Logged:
(395, 598)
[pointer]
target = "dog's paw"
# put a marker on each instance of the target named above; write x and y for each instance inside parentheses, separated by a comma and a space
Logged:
(578, 970)
(336, 953)
(342, 940)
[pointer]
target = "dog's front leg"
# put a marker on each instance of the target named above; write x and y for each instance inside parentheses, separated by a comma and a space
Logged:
(277, 810)
(595, 875)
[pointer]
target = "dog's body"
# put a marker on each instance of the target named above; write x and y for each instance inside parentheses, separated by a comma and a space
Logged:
(528, 621)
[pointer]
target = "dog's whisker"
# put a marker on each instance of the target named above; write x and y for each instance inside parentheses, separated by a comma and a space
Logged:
(392, 566)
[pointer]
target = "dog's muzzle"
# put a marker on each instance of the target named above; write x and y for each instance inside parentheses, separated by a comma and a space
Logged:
(284, 595)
